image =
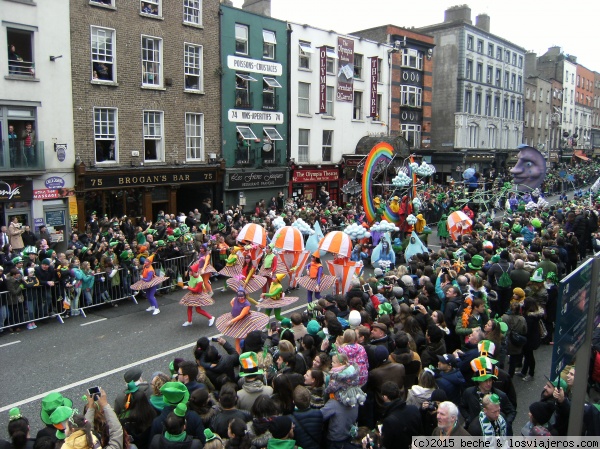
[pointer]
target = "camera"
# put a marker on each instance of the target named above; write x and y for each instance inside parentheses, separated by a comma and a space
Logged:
(94, 392)
(365, 288)
(432, 407)
(215, 339)
(273, 326)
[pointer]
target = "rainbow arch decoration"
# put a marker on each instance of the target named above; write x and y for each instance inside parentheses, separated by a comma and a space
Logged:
(381, 152)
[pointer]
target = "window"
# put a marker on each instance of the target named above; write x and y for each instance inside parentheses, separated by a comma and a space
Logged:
(496, 106)
(304, 56)
(269, 95)
(506, 79)
(152, 7)
(379, 115)
(477, 108)
(468, 97)
(331, 58)
(269, 42)
(241, 39)
(491, 137)
(473, 134)
(329, 104)
(411, 96)
(547, 120)
(412, 133)
(103, 52)
(533, 94)
(541, 96)
(489, 74)
(499, 53)
(513, 81)
(514, 59)
(491, 50)
(242, 90)
(519, 83)
(246, 132)
(505, 109)
(412, 58)
(479, 72)
(469, 42)
(520, 62)
(192, 67)
(532, 120)
(151, 61)
(272, 133)
(479, 46)
(527, 93)
(303, 149)
(526, 121)
(488, 105)
(507, 56)
(194, 136)
(379, 66)
(20, 52)
(104, 2)
(469, 69)
(358, 66)
(192, 12)
(357, 105)
(327, 145)
(518, 110)
(512, 109)
(153, 136)
(303, 98)
(539, 120)
(105, 134)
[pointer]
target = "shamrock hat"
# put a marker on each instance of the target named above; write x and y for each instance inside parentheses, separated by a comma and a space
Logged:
(113, 244)
(487, 349)
(517, 227)
(50, 403)
(249, 364)
(187, 238)
(209, 435)
(552, 276)
(176, 233)
(84, 250)
(495, 258)
(495, 399)
(17, 260)
(58, 418)
(29, 250)
(14, 414)
(484, 368)
(160, 243)
(170, 238)
(151, 231)
(174, 393)
(559, 383)
(180, 410)
(538, 275)
(536, 223)
(132, 387)
(476, 262)
(385, 309)
(126, 255)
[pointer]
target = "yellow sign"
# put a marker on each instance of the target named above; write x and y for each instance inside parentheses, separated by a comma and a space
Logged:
(72, 206)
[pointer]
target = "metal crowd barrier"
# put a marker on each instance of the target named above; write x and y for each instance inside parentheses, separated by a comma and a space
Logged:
(43, 302)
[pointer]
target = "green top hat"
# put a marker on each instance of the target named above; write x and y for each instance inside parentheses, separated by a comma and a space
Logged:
(538, 275)
(17, 260)
(476, 262)
(126, 255)
(249, 364)
(84, 250)
(170, 238)
(485, 368)
(176, 233)
(132, 387)
(385, 309)
(50, 403)
(160, 243)
(174, 393)
(60, 415)
(180, 410)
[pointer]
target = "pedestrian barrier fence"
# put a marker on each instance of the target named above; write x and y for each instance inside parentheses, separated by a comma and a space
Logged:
(70, 297)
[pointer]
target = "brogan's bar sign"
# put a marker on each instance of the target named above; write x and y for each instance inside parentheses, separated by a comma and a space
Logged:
(96, 181)
(261, 179)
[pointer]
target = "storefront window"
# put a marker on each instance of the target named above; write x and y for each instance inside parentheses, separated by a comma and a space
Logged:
(114, 203)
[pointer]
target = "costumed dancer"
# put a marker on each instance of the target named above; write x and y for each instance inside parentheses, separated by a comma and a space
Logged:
(415, 246)
(149, 282)
(383, 252)
(206, 269)
(316, 281)
(442, 230)
(247, 280)
(276, 299)
(195, 297)
(241, 321)
(269, 266)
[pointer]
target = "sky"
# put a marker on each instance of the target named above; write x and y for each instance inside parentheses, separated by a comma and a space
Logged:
(534, 25)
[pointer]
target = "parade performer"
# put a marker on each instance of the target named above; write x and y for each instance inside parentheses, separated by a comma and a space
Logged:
(247, 280)
(241, 321)
(383, 252)
(206, 269)
(195, 297)
(276, 299)
(269, 266)
(149, 283)
(442, 230)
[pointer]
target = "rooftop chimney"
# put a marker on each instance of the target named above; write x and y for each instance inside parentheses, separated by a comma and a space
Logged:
(459, 13)
(482, 21)
(262, 7)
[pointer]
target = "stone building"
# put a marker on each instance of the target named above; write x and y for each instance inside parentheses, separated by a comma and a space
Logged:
(146, 95)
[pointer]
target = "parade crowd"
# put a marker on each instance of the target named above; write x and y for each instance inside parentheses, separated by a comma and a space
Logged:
(422, 343)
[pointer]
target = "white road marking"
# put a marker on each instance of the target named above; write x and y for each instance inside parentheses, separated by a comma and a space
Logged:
(92, 322)
(11, 343)
(91, 379)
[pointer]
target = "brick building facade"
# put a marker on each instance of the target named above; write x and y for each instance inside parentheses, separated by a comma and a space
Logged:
(146, 96)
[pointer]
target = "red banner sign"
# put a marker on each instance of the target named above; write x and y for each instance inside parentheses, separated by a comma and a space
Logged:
(51, 194)
(345, 77)
(373, 103)
(322, 80)
(315, 175)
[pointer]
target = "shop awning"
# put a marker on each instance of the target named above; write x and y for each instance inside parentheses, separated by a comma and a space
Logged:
(580, 155)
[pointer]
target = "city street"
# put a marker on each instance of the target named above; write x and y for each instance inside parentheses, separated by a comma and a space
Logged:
(96, 351)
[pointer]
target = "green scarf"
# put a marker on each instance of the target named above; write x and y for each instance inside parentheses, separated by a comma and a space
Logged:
(488, 429)
(176, 438)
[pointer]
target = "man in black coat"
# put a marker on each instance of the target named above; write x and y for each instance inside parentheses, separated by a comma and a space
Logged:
(308, 422)
(401, 422)
(219, 368)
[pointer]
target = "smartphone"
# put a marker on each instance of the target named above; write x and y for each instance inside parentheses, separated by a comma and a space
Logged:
(365, 288)
(215, 338)
(94, 392)
(274, 326)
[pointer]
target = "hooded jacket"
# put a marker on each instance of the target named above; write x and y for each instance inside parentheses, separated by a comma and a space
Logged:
(251, 389)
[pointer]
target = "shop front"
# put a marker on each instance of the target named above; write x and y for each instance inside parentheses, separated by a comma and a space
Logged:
(16, 200)
(247, 187)
(308, 183)
(144, 192)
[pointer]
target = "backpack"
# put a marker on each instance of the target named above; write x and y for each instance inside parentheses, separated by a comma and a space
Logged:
(504, 281)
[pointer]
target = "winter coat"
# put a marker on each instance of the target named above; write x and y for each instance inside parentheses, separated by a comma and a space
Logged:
(470, 406)
(377, 377)
(418, 394)
(401, 422)
(452, 383)
(518, 324)
(357, 355)
(194, 426)
(251, 389)
(15, 292)
(160, 442)
(534, 338)
(308, 428)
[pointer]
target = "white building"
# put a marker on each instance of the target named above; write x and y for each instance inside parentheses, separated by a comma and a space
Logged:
(331, 111)
(36, 119)
(568, 105)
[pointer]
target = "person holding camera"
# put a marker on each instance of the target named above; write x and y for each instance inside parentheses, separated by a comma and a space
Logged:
(429, 411)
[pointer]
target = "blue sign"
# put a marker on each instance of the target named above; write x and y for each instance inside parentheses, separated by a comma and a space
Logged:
(55, 218)
(55, 182)
(61, 151)
(571, 316)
